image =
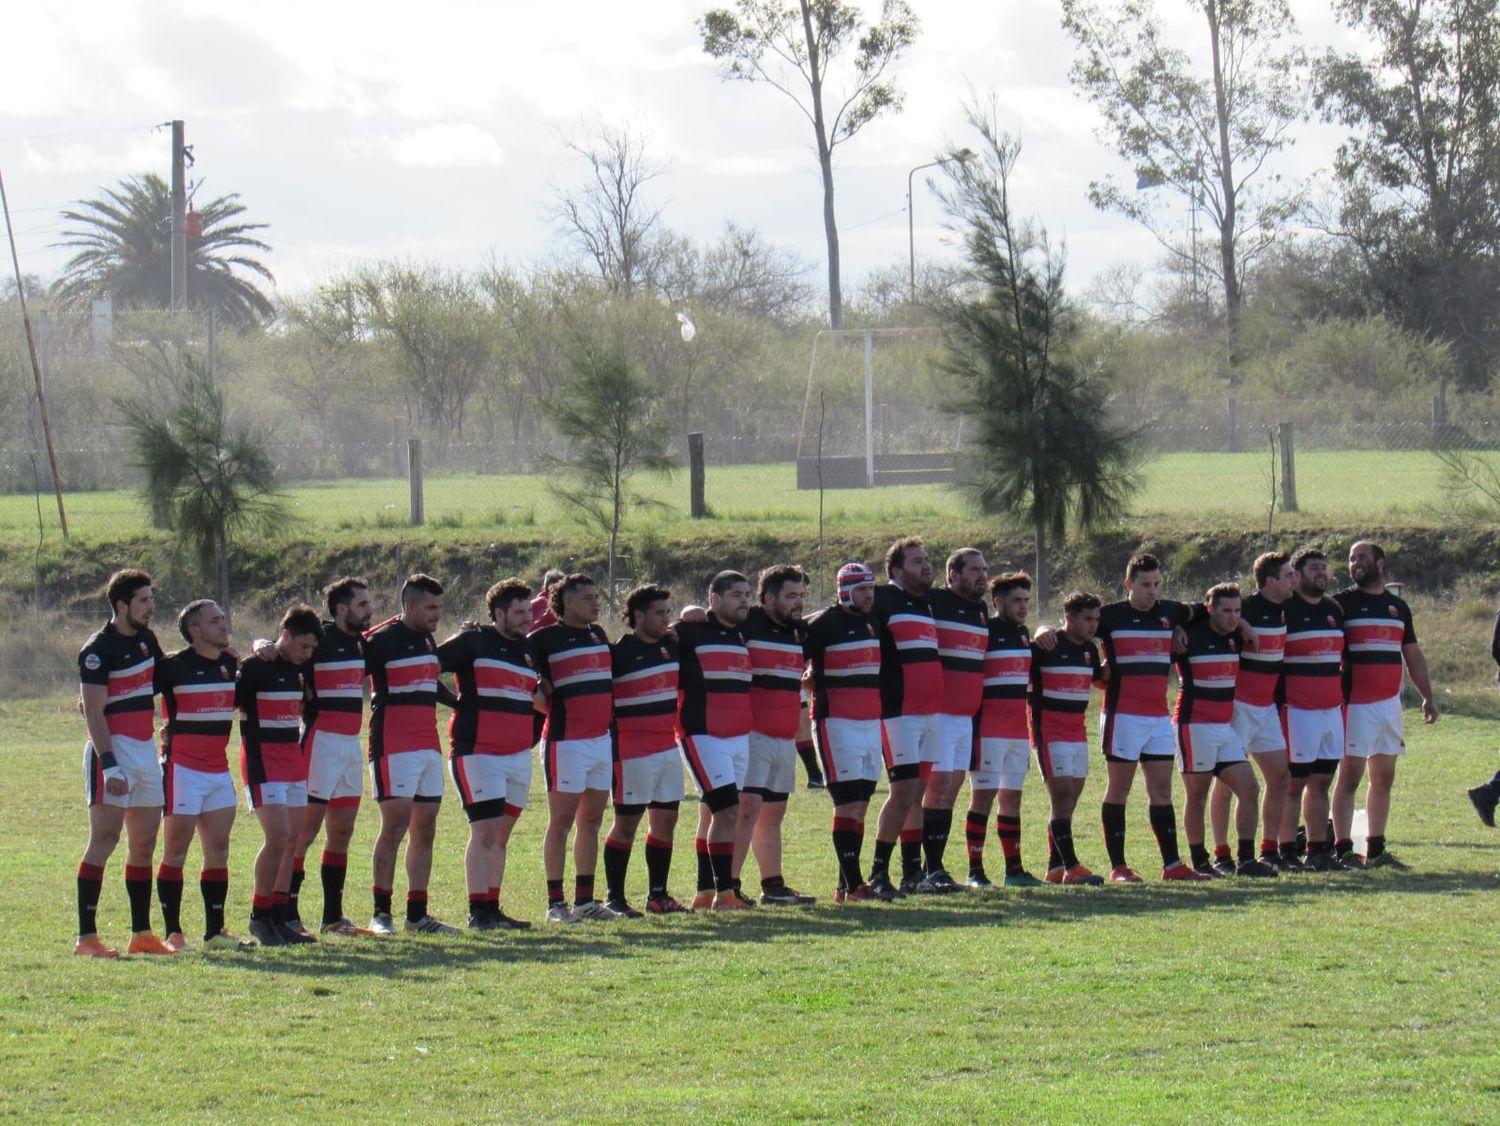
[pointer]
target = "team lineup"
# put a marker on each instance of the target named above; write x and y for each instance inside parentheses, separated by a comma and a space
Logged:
(1289, 698)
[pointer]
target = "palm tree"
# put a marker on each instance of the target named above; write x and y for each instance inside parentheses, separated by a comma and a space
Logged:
(210, 482)
(123, 241)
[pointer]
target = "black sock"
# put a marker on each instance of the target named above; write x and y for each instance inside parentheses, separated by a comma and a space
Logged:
(554, 892)
(1062, 837)
(416, 906)
(293, 907)
(169, 897)
(1054, 858)
(658, 864)
(213, 885)
(1164, 825)
(278, 910)
(583, 888)
(772, 883)
(334, 867)
(1343, 847)
(880, 861)
(90, 883)
(1198, 853)
(1289, 850)
(616, 862)
(911, 855)
(1246, 850)
(936, 825)
(382, 897)
(809, 759)
(1008, 829)
(1374, 847)
(705, 866)
(1113, 816)
(719, 864)
(974, 833)
(848, 837)
(138, 889)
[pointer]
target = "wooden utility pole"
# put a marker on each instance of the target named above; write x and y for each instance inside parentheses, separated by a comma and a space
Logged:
(179, 218)
(36, 365)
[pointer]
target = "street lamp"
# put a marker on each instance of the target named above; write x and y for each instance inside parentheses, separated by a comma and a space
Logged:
(963, 156)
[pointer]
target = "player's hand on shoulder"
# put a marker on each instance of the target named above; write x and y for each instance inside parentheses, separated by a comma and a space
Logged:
(693, 613)
(264, 648)
(1045, 639)
(1179, 640)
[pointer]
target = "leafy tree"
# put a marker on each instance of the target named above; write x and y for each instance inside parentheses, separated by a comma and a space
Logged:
(123, 241)
(795, 48)
(609, 416)
(1042, 449)
(210, 481)
(1420, 174)
(1205, 136)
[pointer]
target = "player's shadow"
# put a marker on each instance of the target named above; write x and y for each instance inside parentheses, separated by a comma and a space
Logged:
(432, 958)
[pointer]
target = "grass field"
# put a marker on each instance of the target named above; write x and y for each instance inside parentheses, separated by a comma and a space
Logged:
(1232, 489)
(1358, 997)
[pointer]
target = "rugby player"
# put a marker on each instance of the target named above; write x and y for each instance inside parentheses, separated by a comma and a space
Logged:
(1311, 692)
(573, 663)
(1135, 728)
(1257, 715)
(713, 724)
(844, 657)
(1208, 747)
(269, 698)
(911, 690)
(963, 635)
(489, 740)
(541, 605)
(1378, 637)
(1486, 796)
(1061, 678)
(406, 766)
(121, 772)
(1001, 750)
(332, 717)
(773, 632)
(647, 760)
(197, 686)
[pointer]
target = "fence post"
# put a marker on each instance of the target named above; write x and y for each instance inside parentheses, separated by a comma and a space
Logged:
(1234, 413)
(1438, 421)
(1288, 467)
(414, 463)
(695, 476)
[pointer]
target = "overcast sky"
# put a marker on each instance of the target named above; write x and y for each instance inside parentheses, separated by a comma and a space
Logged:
(433, 131)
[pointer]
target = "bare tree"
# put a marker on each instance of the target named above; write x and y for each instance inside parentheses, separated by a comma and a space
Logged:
(794, 49)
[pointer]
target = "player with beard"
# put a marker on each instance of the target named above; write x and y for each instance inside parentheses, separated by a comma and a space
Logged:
(1378, 637)
(843, 654)
(713, 725)
(911, 690)
(773, 632)
(1257, 715)
(1312, 693)
(121, 771)
(1001, 751)
(197, 694)
(647, 759)
(332, 718)
(963, 636)
(489, 740)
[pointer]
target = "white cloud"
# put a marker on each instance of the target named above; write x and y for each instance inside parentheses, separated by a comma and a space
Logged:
(443, 145)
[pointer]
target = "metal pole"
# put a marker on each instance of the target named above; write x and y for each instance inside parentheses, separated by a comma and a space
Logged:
(179, 218)
(869, 409)
(414, 468)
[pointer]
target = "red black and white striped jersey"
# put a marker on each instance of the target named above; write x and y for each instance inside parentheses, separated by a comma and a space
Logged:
(845, 653)
(1260, 667)
(911, 672)
(1007, 677)
(713, 679)
(496, 678)
(1138, 648)
(1310, 674)
(1376, 627)
(963, 635)
(776, 664)
(1061, 679)
(645, 690)
(337, 672)
(126, 666)
(576, 662)
(1208, 672)
(197, 701)
(269, 697)
(403, 669)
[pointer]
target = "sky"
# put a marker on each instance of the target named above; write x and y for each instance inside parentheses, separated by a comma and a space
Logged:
(438, 132)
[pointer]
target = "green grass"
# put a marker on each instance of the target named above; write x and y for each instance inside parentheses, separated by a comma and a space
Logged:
(1355, 997)
(1333, 488)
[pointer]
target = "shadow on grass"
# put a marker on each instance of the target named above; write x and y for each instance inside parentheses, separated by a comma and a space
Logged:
(424, 958)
